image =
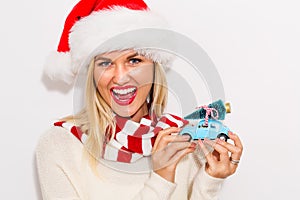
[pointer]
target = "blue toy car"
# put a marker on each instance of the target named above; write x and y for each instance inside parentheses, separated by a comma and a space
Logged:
(212, 130)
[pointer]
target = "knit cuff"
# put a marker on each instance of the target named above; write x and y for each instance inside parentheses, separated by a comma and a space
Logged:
(160, 186)
(208, 184)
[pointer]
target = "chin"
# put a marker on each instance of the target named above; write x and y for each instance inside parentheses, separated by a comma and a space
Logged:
(124, 111)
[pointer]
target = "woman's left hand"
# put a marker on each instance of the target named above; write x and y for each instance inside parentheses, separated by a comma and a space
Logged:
(223, 161)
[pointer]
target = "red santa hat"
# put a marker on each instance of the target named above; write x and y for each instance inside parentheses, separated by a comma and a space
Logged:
(90, 24)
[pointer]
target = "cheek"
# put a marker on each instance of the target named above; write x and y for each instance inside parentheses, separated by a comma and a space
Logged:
(101, 80)
(143, 75)
(97, 75)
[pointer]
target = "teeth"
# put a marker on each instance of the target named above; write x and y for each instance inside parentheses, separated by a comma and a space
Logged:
(123, 91)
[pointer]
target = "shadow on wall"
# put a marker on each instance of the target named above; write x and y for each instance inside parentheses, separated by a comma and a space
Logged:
(36, 180)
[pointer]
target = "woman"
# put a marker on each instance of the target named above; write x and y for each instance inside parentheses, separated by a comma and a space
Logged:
(121, 145)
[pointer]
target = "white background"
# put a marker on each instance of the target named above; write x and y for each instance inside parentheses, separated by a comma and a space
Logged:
(254, 44)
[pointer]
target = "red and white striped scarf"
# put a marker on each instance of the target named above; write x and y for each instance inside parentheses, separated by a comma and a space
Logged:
(132, 140)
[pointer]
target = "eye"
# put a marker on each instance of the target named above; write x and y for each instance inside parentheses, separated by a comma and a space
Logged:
(104, 64)
(135, 61)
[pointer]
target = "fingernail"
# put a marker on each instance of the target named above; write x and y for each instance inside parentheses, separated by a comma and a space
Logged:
(206, 141)
(186, 137)
(218, 140)
(209, 142)
(200, 142)
(193, 145)
(231, 133)
(178, 128)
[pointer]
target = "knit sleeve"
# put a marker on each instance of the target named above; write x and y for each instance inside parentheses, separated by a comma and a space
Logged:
(54, 181)
(156, 187)
(204, 186)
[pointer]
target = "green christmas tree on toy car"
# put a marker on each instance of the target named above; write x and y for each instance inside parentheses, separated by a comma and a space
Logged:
(210, 125)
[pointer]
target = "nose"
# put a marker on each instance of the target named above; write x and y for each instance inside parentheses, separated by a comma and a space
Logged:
(121, 74)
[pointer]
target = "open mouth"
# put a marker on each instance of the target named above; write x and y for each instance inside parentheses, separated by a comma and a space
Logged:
(123, 95)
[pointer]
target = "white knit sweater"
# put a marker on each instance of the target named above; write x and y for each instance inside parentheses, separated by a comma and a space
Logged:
(64, 175)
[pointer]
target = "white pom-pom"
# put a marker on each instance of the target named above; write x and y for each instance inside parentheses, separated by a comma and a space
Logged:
(58, 66)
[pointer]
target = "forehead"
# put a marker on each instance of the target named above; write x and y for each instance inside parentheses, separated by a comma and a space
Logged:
(116, 54)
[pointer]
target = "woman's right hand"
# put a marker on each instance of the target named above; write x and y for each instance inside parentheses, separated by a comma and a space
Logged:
(168, 150)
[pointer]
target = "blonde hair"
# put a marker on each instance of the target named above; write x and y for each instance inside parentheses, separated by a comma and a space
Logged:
(96, 118)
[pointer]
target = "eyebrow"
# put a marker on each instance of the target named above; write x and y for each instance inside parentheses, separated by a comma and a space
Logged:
(133, 55)
(109, 60)
(102, 58)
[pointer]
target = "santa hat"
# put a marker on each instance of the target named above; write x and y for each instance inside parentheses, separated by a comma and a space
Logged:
(93, 22)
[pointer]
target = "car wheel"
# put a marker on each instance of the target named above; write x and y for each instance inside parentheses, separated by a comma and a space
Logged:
(188, 135)
(223, 137)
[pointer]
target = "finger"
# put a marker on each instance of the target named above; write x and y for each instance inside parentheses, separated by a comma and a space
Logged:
(166, 139)
(234, 163)
(172, 149)
(236, 151)
(220, 149)
(235, 139)
(164, 132)
(180, 154)
(170, 154)
(237, 142)
(208, 156)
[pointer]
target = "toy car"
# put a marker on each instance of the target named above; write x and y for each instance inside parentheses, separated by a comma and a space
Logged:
(212, 129)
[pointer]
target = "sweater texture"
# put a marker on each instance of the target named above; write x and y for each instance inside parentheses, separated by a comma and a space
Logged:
(65, 174)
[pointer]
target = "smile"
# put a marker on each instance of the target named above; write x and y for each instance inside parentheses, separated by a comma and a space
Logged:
(123, 95)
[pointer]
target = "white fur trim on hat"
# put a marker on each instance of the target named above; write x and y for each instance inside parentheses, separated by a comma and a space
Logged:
(100, 26)
(90, 32)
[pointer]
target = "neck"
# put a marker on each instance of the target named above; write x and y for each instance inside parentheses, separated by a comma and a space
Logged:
(142, 111)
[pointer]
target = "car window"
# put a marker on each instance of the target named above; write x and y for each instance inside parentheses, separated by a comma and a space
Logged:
(215, 126)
